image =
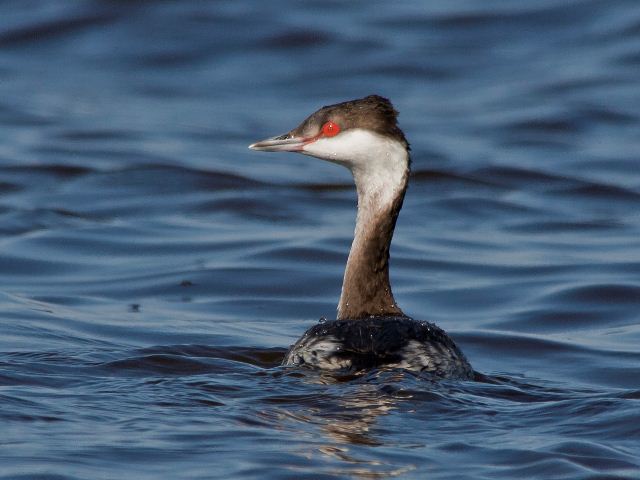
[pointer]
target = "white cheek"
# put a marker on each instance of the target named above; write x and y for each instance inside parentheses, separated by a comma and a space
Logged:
(348, 148)
(378, 163)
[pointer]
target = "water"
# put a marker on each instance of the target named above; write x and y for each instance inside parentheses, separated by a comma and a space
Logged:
(153, 270)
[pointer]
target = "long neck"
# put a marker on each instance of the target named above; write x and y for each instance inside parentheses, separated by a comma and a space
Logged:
(366, 289)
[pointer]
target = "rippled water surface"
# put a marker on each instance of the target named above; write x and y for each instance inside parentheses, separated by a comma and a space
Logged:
(153, 270)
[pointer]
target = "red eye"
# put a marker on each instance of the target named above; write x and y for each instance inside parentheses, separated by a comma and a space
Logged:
(330, 129)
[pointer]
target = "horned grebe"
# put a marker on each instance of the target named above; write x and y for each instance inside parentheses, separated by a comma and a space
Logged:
(370, 329)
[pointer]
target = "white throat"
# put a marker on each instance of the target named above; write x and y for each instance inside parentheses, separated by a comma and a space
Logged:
(379, 164)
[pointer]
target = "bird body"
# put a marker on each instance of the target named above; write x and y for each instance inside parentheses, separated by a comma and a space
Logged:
(370, 329)
(380, 341)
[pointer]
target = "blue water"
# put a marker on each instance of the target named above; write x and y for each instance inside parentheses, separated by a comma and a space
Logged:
(153, 270)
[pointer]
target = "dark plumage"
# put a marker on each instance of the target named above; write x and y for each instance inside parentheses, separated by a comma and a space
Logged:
(352, 345)
(374, 113)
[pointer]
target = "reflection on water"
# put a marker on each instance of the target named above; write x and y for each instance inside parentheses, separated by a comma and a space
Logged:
(153, 270)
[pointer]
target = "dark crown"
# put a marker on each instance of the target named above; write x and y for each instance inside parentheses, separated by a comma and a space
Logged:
(374, 113)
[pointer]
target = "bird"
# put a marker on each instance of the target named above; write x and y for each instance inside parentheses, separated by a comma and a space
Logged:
(370, 330)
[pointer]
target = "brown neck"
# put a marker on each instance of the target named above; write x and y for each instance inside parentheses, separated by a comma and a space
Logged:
(366, 290)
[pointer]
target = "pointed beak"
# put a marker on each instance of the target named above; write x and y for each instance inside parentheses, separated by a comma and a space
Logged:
(283, 143)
